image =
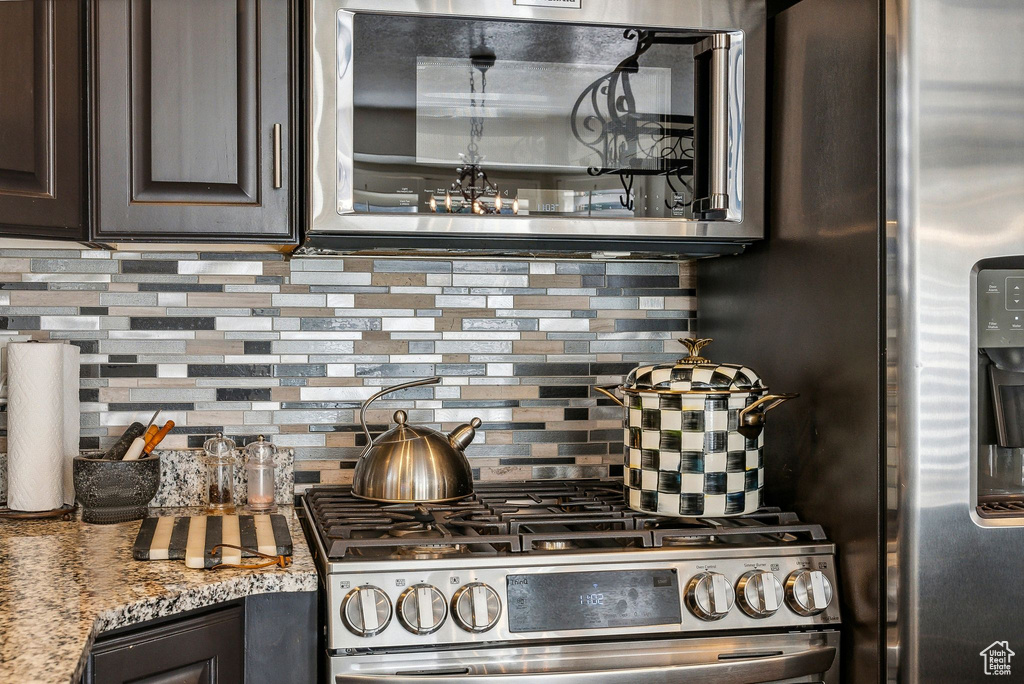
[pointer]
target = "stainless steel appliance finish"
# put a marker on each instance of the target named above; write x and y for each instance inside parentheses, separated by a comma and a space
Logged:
(959, 119)
(560, 564)
(413, 464)
(729, 179)
(792, 658)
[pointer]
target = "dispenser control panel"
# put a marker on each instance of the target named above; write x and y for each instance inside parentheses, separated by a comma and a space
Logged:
(1001, 308)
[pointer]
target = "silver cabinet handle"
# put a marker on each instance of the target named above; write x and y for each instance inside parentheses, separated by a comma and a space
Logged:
(277, 156)
(741, 671)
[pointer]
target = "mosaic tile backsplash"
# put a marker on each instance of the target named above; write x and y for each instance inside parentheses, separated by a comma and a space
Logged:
(255, 343)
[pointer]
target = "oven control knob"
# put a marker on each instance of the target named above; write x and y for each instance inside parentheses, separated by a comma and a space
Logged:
(476, 607)
(759, 593)
(366, 610)
(422, 609)
(709, 596)
(808, 592)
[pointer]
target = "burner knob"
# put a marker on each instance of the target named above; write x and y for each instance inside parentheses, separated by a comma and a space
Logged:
(422, 609)
(476, 607)
(709, 596)
(759, 593)
(808, 592)
(366, 610)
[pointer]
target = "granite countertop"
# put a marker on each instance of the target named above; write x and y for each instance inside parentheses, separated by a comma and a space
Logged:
(62, 583)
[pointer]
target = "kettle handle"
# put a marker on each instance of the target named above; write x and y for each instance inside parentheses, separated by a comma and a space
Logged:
(405, 385)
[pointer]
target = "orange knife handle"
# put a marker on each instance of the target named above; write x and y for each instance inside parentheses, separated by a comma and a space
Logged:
(159, 436)
(150, 433)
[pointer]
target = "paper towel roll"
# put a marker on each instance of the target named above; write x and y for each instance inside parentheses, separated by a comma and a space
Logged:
(35, 425)
(72, 418)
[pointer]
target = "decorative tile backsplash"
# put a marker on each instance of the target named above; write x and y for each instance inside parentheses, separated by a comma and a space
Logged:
(254, 343)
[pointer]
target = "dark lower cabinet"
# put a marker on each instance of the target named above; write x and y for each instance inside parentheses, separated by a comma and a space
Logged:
(195, 114)
(42, 123)
(281, 638)
(205, 649)
(261, 639)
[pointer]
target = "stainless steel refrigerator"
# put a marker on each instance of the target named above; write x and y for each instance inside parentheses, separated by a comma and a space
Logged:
(885, 294)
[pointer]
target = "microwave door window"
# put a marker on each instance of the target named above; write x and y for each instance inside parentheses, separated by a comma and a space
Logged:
(470, 116)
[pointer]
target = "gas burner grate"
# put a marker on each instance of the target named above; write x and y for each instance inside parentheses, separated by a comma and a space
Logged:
(574, 516)
(581, 540)
(768, 526)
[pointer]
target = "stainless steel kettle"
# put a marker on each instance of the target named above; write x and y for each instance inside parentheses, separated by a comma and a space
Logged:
(413, 464)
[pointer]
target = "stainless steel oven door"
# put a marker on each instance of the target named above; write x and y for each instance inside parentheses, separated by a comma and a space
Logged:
(790, 658)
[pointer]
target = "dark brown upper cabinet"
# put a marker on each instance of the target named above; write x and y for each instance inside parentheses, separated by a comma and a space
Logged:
(42, 140)
(195, 113)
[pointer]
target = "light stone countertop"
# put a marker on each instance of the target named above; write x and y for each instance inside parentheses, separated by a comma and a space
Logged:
(62, 583)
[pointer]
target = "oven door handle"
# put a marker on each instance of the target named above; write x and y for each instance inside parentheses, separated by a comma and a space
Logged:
(740, 671)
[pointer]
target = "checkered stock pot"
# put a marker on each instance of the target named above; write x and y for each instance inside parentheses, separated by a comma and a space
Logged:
(693, 436)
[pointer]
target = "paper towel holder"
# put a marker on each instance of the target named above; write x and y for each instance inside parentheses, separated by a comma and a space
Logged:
(3, 393)
(66, 510)
(64, 513)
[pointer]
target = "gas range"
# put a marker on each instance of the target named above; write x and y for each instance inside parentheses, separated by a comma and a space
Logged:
(535, 565)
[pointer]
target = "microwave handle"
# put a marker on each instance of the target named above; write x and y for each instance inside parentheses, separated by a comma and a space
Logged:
(720, 122)
(774, 668)
(715, 49)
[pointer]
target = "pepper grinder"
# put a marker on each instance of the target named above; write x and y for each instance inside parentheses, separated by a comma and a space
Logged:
(259, 475)
(220, 474)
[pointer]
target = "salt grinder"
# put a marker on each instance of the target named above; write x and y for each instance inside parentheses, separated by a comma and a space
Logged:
(259, 475)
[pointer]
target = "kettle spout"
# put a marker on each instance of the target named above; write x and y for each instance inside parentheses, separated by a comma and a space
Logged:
(462, 436)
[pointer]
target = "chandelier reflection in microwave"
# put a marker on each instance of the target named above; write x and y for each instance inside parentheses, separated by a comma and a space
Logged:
(474, 192)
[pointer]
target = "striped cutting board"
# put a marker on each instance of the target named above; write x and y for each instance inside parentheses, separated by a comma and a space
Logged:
(191, 538)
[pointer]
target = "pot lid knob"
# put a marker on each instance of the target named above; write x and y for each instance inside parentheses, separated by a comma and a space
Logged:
(400, 417)
(694, 345)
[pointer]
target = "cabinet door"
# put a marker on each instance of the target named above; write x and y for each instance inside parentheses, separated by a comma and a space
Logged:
(42, 178)
(194, 119)
(208, 649)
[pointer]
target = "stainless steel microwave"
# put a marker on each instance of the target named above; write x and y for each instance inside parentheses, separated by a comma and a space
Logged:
(543, 124)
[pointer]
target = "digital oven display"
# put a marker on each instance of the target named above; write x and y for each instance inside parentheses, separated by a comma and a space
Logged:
(592, 600)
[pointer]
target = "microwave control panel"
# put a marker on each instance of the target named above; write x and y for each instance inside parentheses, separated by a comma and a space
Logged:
(1000, 308)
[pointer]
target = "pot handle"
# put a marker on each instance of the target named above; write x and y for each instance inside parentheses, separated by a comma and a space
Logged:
(774, 399)
(751, 419)
(608, 391)
(405, 385)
